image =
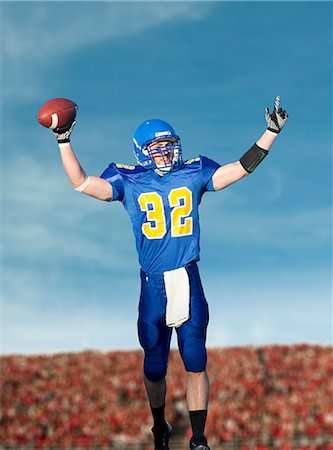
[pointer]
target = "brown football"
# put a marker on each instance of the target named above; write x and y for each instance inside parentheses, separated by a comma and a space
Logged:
(57, 113)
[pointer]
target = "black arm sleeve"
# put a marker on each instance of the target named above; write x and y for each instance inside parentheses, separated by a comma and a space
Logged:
(253, 157)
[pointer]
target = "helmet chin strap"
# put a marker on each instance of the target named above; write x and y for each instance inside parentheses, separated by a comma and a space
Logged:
(160, 172)
(164, 170)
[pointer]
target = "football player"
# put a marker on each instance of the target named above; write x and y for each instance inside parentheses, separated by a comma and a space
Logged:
(162, 194)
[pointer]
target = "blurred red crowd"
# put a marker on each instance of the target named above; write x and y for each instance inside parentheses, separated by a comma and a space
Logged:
(273, 394)
(281, 394)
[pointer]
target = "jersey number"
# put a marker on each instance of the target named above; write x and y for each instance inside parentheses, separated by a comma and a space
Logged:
(180, 200)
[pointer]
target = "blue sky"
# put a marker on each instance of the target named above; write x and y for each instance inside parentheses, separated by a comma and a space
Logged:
(69, 266)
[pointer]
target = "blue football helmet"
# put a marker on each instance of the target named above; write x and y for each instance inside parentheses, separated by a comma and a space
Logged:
(170, 155)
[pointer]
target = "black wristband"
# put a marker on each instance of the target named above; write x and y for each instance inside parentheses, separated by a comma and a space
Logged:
(273, 131)
(253, 157)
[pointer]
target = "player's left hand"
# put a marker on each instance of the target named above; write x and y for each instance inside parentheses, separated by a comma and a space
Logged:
(277, 119)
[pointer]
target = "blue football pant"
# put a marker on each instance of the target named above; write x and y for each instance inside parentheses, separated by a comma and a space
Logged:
(155, 336)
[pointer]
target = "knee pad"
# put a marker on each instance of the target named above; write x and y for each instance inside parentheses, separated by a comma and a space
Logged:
(194, 355)
(155, 367)
(155, 343)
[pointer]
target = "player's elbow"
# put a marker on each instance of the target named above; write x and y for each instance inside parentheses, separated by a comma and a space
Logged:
(81, 187)
(240, 169)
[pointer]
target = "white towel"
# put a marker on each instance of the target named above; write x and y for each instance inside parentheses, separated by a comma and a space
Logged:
(177, 287)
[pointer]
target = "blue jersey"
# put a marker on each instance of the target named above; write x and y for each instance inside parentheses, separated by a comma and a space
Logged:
(163, 210)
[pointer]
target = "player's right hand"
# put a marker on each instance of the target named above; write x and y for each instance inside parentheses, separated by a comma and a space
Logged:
(63, 134)
(277, 119)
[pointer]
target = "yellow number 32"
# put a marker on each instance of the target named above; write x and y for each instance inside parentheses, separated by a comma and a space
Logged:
(180, 200)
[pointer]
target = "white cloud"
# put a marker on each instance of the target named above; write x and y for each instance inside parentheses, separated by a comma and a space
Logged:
(57, 29)
(282, 308)
(49, 309)
(241, 225)
(271, 307)
(47, 221)
(29, 328)
(276, 189)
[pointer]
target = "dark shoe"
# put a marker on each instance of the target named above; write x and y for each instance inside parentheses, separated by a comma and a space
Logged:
(162, 440)
(199, 443)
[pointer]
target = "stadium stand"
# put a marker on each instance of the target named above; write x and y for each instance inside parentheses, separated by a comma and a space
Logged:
(273, 397)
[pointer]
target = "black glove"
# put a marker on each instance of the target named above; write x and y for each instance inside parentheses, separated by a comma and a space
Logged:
(277, 119)
(63, 134)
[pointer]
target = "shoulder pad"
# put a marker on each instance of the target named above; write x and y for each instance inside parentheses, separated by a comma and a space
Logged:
(194, 160)
(125, 166)
(129, 169)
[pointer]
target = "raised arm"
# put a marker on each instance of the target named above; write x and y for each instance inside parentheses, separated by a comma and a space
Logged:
(93, 186)
(230, 173)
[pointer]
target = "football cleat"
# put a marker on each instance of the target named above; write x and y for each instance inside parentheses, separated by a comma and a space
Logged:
(161, 441)
(157, 130)
(199, 443)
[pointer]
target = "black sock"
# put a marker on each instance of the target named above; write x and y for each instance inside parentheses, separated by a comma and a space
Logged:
(158, 416)
(198, 421)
